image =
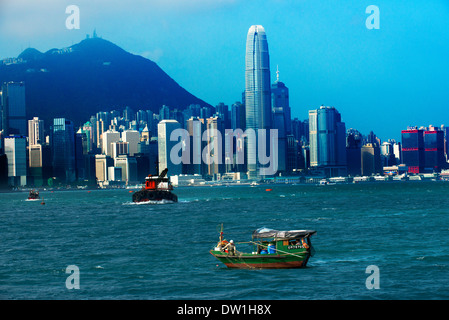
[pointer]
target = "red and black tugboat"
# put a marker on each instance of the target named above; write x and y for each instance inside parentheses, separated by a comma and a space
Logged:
(33, 195)
(157, 188)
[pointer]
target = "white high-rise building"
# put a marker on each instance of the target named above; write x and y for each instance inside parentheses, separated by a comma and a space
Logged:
(164, 129)
(109, 137)
(36, 131)
(133, 138)
(16, 153)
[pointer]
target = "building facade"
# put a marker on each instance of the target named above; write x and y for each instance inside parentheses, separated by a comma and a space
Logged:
(14, 108)
(327, 136)
(165, 145)
(16, 153)
(63, 147)
(257, 92)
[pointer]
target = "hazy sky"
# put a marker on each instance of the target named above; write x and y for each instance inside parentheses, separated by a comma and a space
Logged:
(379, 79)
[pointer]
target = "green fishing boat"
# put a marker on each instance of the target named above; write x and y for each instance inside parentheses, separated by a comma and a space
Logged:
(271, 249)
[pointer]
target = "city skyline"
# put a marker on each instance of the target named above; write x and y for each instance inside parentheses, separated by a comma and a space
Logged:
(324, 51)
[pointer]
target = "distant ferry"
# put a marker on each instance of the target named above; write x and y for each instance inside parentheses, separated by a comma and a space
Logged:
(273, 249)
(157, 188)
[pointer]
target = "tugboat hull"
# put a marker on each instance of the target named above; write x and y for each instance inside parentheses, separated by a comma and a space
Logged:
(154, 195)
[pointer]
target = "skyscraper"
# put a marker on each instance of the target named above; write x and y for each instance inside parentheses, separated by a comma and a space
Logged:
(63, 143)
(215, 129)
(354, 152)
(434, 150)
(165, 145)
(14, 108)
(413, 149)
(281, 119)
(257, 92)
(133, 138)
(238, 116)
(327, 136)
(280, 99)
(36, 131)
(15, 150)
(109, 137)
(371, 162)
(195, 127)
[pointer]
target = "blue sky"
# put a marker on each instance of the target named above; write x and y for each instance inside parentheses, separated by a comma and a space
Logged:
(381, 80)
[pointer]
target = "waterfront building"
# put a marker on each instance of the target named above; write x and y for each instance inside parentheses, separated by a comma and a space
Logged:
(102, 163)
(413, 149)
(397, 151)
(15, 150)
(128, 167)
(63, 147)
(35, 131)
(115, 174)
(257, 93)
(13, 108)
(3, 171)
(371, 161)
(39, 164)
(434, 158)
(387, 154)
(165, 145)
(35, 155)
(354, 141)
(327, 136)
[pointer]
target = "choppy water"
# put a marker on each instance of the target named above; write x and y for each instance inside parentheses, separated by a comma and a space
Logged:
(128, 251)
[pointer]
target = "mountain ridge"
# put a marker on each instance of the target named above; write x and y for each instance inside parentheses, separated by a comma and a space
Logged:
(91, 76)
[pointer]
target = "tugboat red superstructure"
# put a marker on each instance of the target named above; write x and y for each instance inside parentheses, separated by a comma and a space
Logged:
(33, 195)
(157, 188)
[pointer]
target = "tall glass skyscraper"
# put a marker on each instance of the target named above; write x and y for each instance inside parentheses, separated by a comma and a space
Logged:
(327, 135)
(257, 91)
(14, 108)
(63, 142)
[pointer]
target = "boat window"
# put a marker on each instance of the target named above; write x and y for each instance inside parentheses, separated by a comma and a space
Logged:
(294, 244)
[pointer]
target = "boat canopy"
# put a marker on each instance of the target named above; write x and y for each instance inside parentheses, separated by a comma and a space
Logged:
(270, 233)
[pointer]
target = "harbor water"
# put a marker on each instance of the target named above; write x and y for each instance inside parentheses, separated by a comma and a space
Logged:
(139, 251)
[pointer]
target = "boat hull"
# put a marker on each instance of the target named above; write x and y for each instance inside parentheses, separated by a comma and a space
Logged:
(262, 261)
(154, 195)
